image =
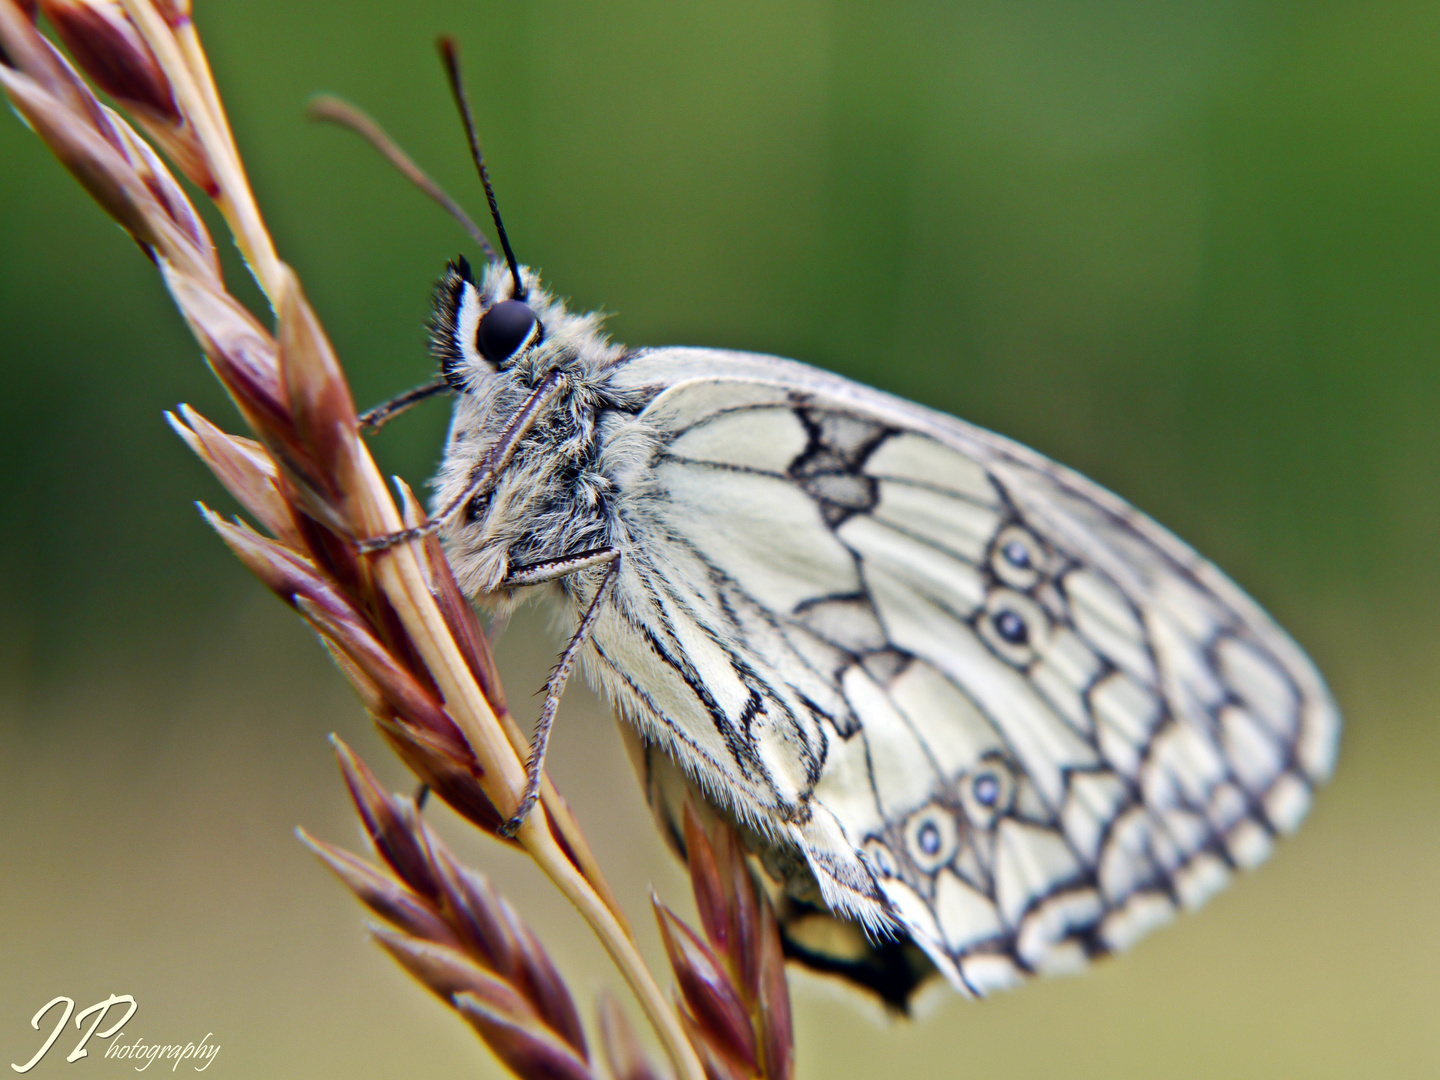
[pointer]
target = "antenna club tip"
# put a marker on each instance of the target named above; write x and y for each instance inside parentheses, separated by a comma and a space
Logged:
(324, 107)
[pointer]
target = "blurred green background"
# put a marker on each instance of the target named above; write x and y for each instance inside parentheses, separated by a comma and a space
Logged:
(1192, 249)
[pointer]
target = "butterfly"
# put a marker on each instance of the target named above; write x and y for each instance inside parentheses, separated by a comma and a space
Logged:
(974, 713)
(959, 694)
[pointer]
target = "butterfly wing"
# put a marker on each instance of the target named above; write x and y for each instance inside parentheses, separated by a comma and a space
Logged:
(987, 700)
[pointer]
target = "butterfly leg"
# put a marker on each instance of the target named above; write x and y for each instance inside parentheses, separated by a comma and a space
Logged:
(555, 685)
(494, 462)
(376, 418)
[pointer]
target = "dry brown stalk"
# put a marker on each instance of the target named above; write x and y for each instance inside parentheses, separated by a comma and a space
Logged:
(395, 621)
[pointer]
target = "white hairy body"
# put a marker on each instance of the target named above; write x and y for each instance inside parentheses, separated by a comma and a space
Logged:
(987, 704)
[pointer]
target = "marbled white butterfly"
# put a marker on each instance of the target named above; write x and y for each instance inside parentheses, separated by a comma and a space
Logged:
(955, 693)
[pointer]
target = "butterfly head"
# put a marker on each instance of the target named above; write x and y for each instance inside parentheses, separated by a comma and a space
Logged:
(480, 328)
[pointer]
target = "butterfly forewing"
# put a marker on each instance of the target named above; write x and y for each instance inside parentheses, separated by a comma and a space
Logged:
(992, 705)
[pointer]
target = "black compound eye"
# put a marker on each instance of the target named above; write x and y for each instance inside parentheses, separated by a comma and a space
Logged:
(1011, 627)
(506, 329)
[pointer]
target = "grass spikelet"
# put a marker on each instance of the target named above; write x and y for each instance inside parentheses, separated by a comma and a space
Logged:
(734, 997)
(457, 936)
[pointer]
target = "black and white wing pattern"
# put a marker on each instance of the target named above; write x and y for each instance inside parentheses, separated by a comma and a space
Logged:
(992, 705)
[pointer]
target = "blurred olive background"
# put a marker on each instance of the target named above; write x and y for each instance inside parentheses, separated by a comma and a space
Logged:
(1192, 249)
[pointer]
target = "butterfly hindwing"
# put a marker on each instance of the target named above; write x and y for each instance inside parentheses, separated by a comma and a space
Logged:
(988, 701)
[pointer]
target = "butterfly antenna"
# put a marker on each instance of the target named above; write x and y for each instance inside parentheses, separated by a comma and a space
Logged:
(451, 56)
(338, 111)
